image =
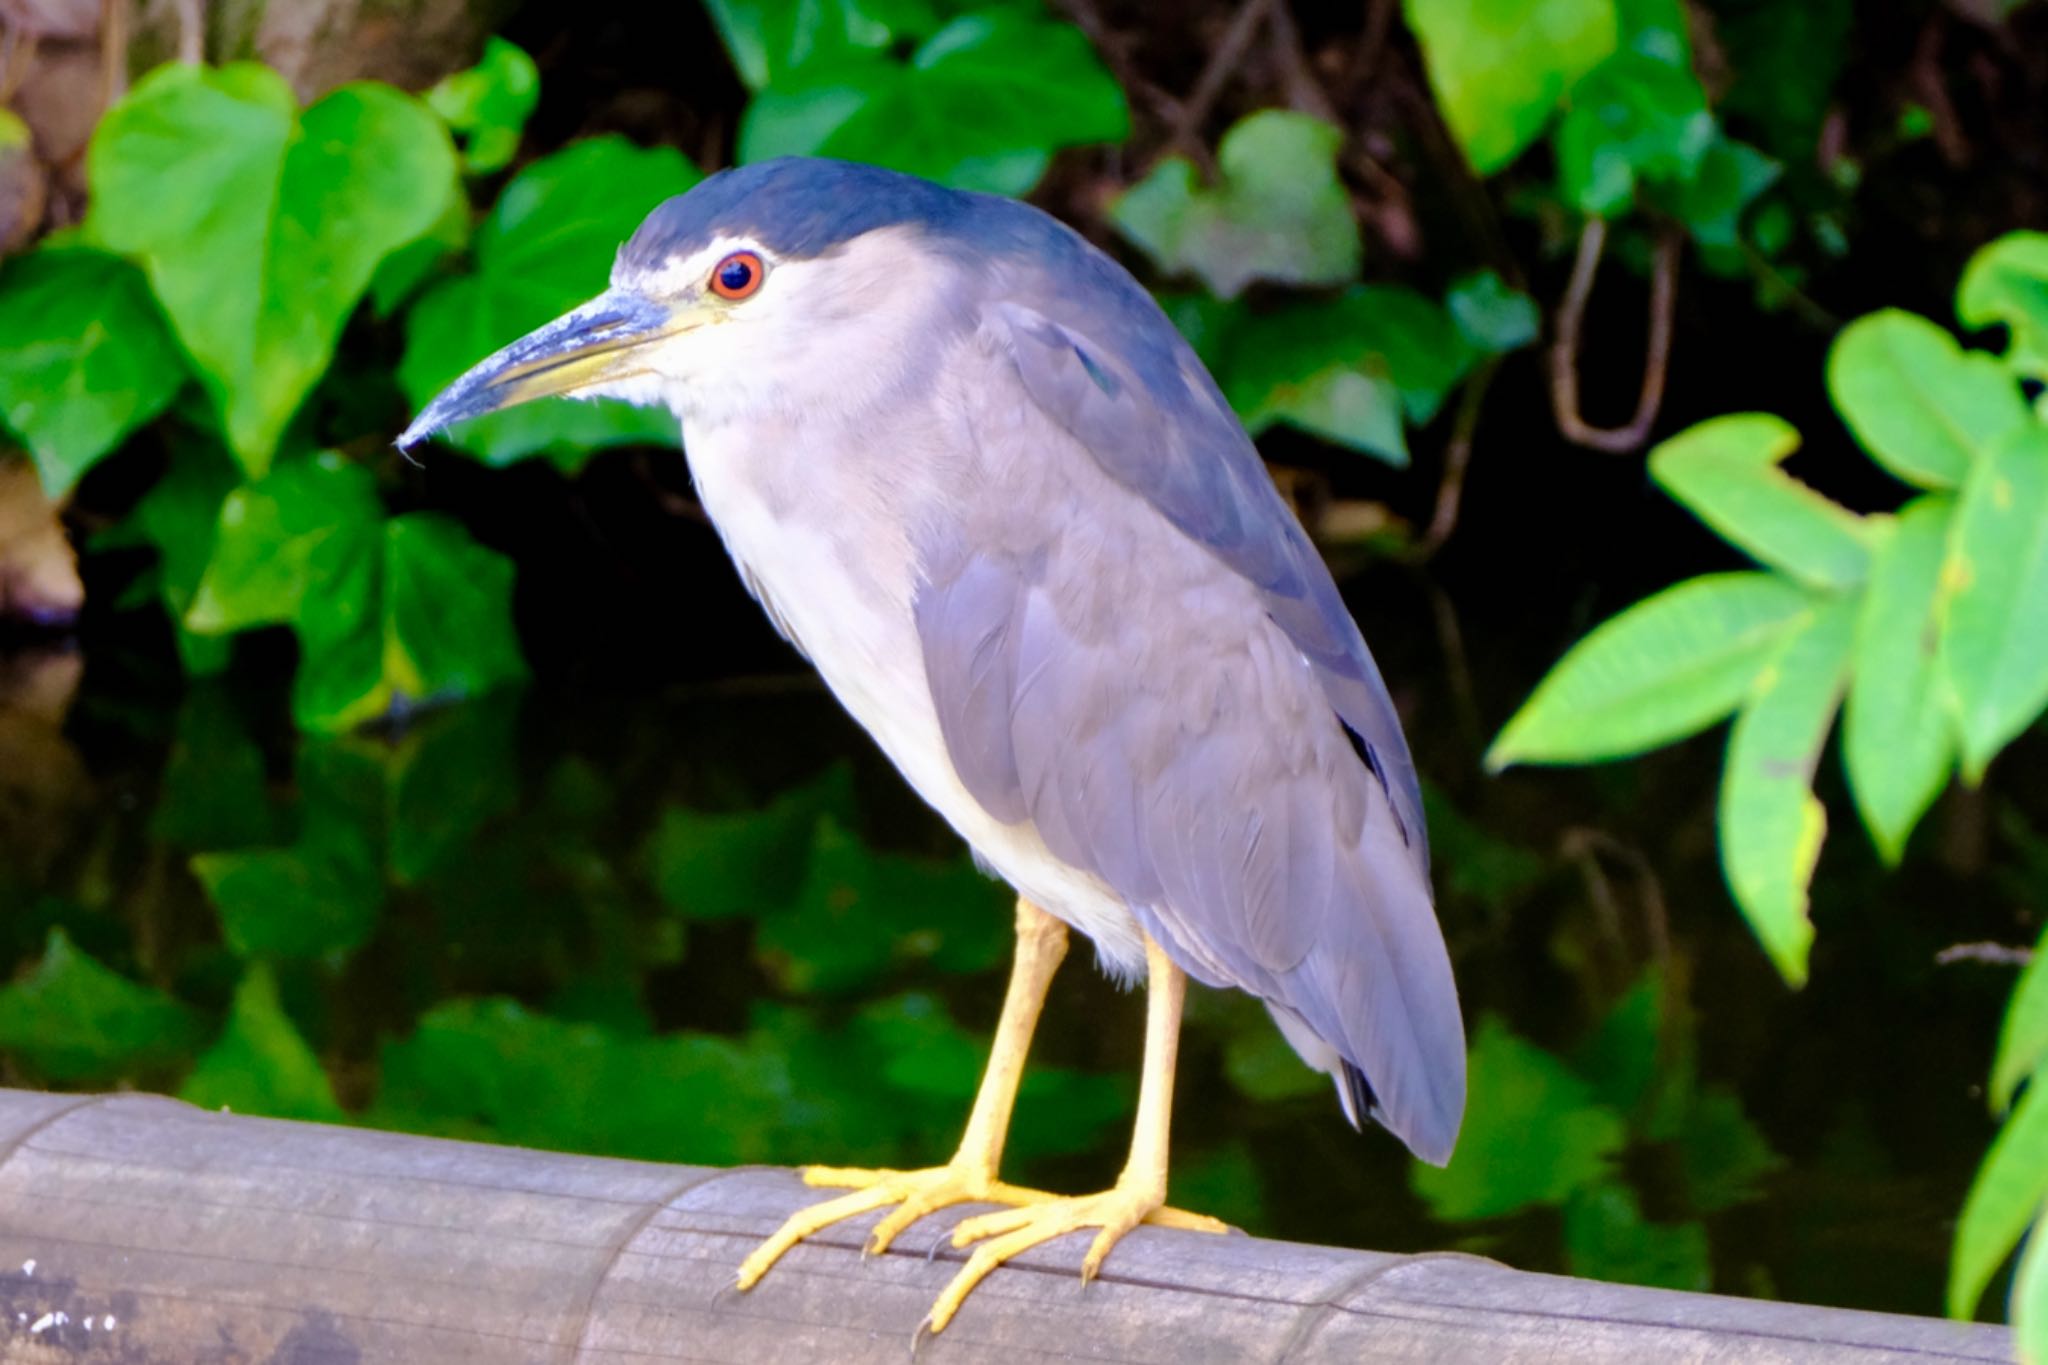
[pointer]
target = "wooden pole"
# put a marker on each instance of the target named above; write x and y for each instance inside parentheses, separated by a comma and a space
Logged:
(138, 1229)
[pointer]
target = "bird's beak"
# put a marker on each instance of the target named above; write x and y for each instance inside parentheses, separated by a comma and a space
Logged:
(602, 342)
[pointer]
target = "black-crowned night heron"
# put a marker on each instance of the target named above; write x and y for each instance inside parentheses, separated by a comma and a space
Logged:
(971, 470)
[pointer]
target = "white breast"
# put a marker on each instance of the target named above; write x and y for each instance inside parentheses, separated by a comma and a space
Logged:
(835, 569)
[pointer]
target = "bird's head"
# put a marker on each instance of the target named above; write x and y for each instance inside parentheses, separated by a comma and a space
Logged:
(776, 286)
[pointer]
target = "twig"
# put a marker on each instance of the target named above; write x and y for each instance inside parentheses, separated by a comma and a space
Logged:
(1083, 15)
(1992, 954)
(1372, 44)
(1304, 91)
(1586, 845)
(1186, 130)
(1564, 348)
(192, 31)
(113, 51)
(1450, 489)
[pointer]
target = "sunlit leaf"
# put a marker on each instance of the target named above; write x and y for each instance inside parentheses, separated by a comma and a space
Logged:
(546, 246)
(1500, 67)
(2030, 1297)
(260, 1064)
(1533, 1133)
(981, 105)
(489, 104)
(1898, 741)
(1994, 652)
(1923, 407)
(1668, 666)
(2023, 1041)
(2007, 282)
(85, 358)
(260, 227)
(288, 538)
(1771, 825)
(1607, 1237)
(1726, 472)
(1278, 213)
(2008, 1193)
(77, 1022)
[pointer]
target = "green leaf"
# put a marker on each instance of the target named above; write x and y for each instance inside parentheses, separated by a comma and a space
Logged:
(439, 629)
(1278, 213)
(1771, 823)
(84, 358)
(288, 545)
(546, 246)
(79, 1023)
(1533, 1134)
(2023, 1041)
(713, 866)
(319, 898)
(1500, 67)
(2007, 282)
(178, 517)
(769, 39)
(1493, 316)
(1726, 472)
(1633, 118)
(1993, 652)
(2007, 1194)
(981, 105)
(489, 104)
(1668, 666)
(1346, 369)
(1606, 1237)
(260, 228)
(859, 911)
(1921, 406)
(1897, 739)
(1711, 201)
(260, 1064)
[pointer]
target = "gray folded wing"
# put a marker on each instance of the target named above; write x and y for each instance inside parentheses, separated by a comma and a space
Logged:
(1158, 672)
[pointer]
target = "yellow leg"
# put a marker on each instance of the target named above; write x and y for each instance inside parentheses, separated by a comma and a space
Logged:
(971, 1175)
(1139, 1195)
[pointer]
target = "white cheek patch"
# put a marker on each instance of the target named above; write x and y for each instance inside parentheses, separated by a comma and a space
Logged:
(679, 274)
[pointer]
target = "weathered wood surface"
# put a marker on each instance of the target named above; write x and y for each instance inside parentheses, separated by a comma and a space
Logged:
(140, 1230)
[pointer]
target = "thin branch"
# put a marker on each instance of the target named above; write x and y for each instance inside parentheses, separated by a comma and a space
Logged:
(1992, 954)
(1083, 15)
(1304, 91)
(1564, 348)
(113, 51)
(1221, 66)
(192, 31)
(1450, 489)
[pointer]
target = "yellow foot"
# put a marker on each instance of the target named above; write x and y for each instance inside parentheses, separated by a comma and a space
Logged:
(915, 1194)
(1114, 1212)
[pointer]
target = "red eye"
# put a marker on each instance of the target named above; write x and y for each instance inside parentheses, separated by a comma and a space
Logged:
(738, 275)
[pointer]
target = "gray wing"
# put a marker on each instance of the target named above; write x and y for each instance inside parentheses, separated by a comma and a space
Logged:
(1167, 699)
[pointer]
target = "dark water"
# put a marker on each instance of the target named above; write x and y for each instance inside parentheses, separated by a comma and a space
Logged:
(690, 914)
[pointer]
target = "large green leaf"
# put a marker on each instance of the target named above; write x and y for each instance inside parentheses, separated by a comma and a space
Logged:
(2030, 1297)
(1500, 67)
(546, 246)
(2007, 282)
(260, 228)
(1668, 666)
(84, 358)
(318, 898)
(1994, 650)
(1923, 407)
(1771, 823)
(1726, 472)
(1898, 741)
(286, 544)
(768, 40)
(78, 1022)
(2008, 1193)
(260, 1064)
(981, 105)
(1278, 213)
(1533, 1134)
(2023, 1041)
